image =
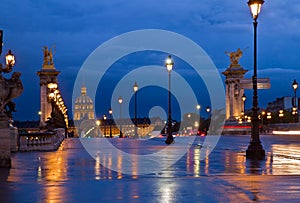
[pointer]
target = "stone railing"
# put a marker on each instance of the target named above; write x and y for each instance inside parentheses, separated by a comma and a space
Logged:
(41, 141)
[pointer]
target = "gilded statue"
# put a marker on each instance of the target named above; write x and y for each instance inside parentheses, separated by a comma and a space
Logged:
(48, 56)
(235, 57)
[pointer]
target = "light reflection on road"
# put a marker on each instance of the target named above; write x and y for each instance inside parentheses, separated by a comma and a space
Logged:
(55, 176)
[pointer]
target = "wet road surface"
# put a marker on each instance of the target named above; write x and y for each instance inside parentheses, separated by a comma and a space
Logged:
(72, 175)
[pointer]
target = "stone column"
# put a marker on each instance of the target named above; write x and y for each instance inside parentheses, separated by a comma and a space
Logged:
(47, 74)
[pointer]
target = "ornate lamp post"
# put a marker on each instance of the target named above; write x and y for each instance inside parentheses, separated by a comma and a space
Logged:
(169, 64)
(295, 86)
(53, 94)
(295, 108)
(110, 121)
(135, 89)
(255, 149)
(104, 118)
(9, 89)
(59, 117)
(120, 100)
(244, 99)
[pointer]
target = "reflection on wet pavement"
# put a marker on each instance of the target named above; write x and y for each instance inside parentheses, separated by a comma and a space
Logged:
(71, 175)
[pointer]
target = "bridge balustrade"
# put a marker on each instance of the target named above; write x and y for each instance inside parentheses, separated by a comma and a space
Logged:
(40, 141)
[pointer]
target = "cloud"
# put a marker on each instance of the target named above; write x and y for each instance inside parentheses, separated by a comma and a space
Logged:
(280, 71)
(78, 27)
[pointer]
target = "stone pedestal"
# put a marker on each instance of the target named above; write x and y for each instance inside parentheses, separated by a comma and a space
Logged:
(5, 161)
(47, 74)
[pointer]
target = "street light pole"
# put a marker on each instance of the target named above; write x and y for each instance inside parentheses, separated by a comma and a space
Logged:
(120, 100)
(198, 107)
(98, 127)
(110, 119)
(280, 114)
(263, 113)
(295, 108)
(104, 118)
(255, 149)
(135, 89)
(208, 111)
(244, 99)
(169, 64)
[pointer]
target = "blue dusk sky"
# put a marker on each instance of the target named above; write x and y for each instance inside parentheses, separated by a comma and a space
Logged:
(77, 28)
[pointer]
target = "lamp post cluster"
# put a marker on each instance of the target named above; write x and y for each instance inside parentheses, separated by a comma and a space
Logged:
(169, 65)
(59, 117)
(110, 111)
(255, 149)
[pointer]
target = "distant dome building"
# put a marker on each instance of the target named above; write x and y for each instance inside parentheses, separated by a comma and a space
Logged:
(84, 107)
(84, 115)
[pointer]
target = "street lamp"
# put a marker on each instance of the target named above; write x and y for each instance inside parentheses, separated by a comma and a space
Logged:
(135, 89)
(10, 62)
(208, 111)
(104, 118)
(10, 89)
(255, 149)
(263, 113)
(295, 108)
(294, 113)
(120, 100)
(280, 114)
(198, 107)
(98, 126)
(269, 116)
(208, 118)
(110, 119)
(53, 96)
(244, 99)
(169, 64)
